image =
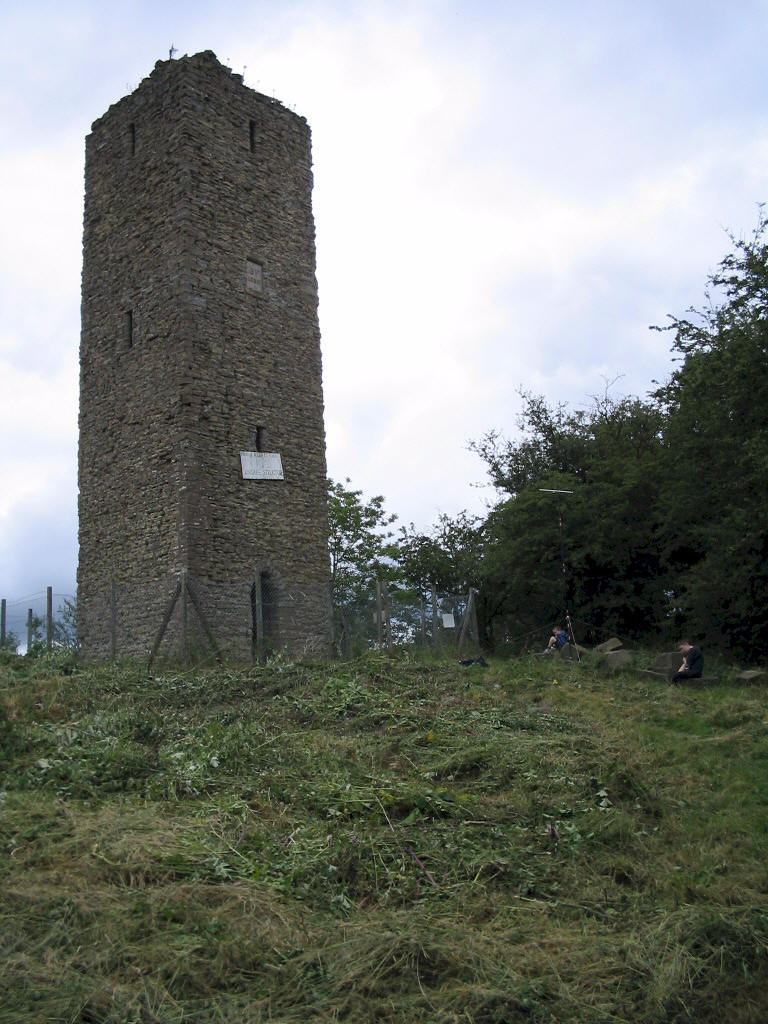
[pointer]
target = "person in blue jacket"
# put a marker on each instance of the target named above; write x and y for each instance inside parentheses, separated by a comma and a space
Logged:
(693, 662)
(558, 639)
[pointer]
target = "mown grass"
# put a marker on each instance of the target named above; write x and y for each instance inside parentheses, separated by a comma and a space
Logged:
(381, 840)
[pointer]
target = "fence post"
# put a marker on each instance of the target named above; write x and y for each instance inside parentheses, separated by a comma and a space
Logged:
(164, 624)
(2, 623)
(470, 622)
(29, 629)
(113, 621)
(465, 623)
(378, 610)
(258, 640)
(184, 618)
(434, 617)
(49, 618)
(387, 619)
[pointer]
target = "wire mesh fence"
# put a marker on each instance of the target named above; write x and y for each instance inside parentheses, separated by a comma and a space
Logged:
(43, 619)
(387, 617)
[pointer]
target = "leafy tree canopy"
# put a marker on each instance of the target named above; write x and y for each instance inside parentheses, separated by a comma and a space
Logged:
(715, 498)
(666, 530)
(449, 557)
(360, 542)
(590, 548)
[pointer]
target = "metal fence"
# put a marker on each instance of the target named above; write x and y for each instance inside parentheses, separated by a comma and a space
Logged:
(32, 620)
(382, 619)
(388, 617)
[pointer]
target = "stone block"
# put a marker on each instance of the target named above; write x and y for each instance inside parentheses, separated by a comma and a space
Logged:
(667, 664)
(609, 645)
(572, 652)
(698, 683)
(753, 677)
(614, 660)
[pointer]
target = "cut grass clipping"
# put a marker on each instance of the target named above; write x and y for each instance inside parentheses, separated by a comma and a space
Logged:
(381, 840)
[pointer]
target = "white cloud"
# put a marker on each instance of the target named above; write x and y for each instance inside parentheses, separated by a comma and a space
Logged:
(505, 195)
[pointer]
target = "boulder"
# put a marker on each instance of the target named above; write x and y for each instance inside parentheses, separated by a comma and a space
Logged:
(572, 652)
(697, 682)
(752, 676)
(609, 645)
(667, 664)
(612, 661)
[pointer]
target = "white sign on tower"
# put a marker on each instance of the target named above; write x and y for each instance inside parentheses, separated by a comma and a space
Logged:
(261, 466)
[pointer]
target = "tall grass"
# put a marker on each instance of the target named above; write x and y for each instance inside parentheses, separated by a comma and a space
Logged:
(380, 840)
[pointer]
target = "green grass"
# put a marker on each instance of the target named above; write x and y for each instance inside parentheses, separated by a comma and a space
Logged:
(380, 840)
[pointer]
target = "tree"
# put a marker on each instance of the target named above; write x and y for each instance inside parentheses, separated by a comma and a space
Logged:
(361, 552)
(666, 531)
(10, 642)
(715, 501)
(36, 635)
(65, 626)
(442, 565)
(448, 557)
(593, 551)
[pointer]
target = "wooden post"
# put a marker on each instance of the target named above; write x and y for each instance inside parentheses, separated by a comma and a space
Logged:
(254, 625)
(258, 642)
(346, 636)
(164, 624)
(29, 629)
(387, 619)
(184, 618)
(49, 618)
(465, 622)
(201, 615)
(378, 610)
(2, 623)
(423, 610)
(113, 621)
(475, 631)
(434, 617)
(258, 636)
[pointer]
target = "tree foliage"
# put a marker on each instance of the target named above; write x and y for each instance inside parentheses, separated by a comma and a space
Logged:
(642, 517)
(361, 550)
(576, 529)
(448, 557)
(715, 499)
(666, 529)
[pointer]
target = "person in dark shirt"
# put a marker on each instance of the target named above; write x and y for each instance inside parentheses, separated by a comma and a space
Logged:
(693, 662)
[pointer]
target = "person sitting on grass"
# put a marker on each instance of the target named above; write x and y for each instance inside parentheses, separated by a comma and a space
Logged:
(693, 662)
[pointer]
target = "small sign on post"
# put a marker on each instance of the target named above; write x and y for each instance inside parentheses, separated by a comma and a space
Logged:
(261, 466)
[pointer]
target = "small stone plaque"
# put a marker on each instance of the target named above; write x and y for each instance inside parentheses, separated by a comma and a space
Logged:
(261, 466)
(254, 277)
(448, 621)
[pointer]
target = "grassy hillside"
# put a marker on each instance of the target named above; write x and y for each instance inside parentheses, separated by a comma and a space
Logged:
(381, 840)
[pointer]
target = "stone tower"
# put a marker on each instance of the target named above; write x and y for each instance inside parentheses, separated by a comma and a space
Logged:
(203, 516)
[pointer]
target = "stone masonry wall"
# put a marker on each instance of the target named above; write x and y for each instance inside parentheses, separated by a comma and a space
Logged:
(199, 340)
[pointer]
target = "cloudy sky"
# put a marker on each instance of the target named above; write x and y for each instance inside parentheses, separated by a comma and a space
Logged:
(507, 194)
